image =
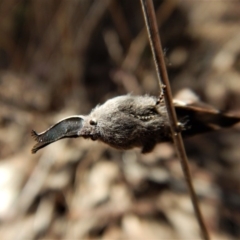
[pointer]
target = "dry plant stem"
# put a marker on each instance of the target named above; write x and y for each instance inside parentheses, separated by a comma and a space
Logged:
(152, 29)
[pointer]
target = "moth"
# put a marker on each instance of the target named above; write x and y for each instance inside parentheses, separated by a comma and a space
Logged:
(128, 121)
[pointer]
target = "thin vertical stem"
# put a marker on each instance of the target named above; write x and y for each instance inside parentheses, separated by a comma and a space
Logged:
(154, 39)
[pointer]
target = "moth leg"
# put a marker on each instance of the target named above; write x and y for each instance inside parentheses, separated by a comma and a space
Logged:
(148, 147)
(161, 96)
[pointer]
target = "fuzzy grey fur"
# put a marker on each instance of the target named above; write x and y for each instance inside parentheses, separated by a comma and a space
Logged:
(128, 121)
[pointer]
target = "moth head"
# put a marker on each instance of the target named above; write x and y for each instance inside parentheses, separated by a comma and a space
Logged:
(90, 128)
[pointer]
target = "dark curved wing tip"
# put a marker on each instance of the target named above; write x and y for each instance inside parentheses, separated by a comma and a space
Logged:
(36, 138)
(34, 150)
(35, 135)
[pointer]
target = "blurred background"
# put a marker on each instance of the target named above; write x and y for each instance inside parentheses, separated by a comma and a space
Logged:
(61, 58)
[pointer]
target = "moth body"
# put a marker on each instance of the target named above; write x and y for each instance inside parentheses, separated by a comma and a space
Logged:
(125, 122)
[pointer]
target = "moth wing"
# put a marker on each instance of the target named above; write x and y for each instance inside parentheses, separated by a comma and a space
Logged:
(200, 117)
(66, 128)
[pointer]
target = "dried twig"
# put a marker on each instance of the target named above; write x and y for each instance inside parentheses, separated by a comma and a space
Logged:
(152, 29)
(139, 43)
